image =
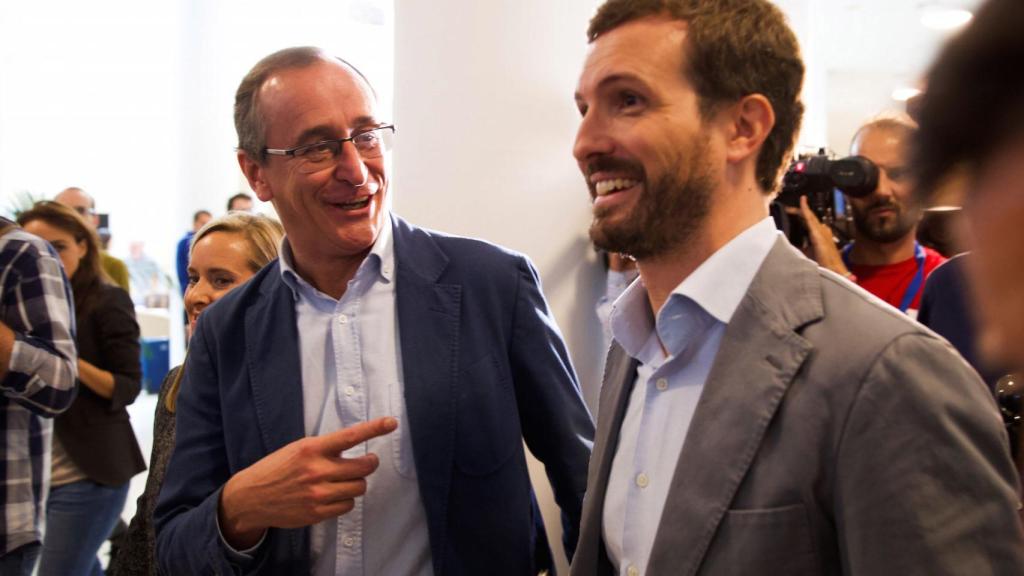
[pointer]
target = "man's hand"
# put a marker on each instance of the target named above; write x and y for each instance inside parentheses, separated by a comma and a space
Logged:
(823, 246)
(299, 485)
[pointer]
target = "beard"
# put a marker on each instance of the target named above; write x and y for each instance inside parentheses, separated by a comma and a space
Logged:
(668, 213)
(887, 229)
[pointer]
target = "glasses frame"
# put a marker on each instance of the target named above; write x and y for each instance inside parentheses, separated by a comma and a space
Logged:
(294, 152)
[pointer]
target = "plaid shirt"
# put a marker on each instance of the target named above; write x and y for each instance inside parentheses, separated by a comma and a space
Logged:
(40, 382)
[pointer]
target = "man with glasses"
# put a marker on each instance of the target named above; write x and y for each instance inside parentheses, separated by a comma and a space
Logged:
(359, 406)
(79, 201)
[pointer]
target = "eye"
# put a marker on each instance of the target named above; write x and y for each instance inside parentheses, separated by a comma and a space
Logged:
(629, 100)
(222, 281)
(366, 140)
(319, 151)
(897, 173)
(193, 279)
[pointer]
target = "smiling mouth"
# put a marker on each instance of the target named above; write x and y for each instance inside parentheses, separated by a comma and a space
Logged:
(606, 187)
(356, 204)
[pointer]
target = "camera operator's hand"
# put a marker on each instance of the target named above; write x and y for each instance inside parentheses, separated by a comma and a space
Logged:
(823, 245)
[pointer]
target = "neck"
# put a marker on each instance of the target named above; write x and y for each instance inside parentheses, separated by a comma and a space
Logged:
(869, 253)
(662, 273)
(328, 275)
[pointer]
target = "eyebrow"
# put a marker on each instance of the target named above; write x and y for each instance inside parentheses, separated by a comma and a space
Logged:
(325, 132)
(614, 79)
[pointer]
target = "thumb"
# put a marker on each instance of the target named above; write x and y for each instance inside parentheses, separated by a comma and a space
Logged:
(341, 440)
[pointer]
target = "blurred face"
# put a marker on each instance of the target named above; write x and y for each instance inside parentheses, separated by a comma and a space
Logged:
(337, 212)
(242, 204)
(888, 214)
(200, 221)
(70, 251)
(219, 262)
(994, 213)
(80, 202)
(642, 145)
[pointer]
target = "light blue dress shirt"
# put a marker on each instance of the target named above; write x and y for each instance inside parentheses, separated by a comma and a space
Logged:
(352, 372)
(690, 326)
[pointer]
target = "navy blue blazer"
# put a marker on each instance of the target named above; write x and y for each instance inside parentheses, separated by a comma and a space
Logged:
(485, 367)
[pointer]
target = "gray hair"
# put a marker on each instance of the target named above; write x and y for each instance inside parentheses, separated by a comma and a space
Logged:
(248, 120)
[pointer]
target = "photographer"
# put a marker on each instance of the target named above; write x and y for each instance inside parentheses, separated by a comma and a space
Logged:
(885, 257)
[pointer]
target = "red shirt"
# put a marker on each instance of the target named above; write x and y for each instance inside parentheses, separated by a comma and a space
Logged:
(891, 281)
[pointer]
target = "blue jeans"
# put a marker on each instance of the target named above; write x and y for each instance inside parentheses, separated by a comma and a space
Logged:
(20, 561)
(79, 517)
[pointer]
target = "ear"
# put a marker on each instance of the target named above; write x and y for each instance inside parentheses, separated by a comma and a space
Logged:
(254, 173)
(751, 120)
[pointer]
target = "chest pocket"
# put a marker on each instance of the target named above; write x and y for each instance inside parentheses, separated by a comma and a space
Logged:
(487, 431)
(748, 541)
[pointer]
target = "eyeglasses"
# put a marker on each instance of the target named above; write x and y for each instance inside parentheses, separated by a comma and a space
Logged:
(323, 154)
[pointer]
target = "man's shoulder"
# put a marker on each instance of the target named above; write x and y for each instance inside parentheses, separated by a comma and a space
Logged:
(468, 255)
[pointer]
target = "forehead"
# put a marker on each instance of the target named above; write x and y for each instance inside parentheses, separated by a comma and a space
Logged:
(650, 49)
(221, 250)
(47, 231)
(327, 95)
(885, 145)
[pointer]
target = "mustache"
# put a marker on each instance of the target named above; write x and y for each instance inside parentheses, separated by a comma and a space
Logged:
(886, 204)
(612, 164)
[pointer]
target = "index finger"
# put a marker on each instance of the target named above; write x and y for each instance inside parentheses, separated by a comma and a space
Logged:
(341, 440)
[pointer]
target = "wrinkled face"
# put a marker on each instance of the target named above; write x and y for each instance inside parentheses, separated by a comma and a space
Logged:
(219, 262)
(70, 251)
(336, 212)
(994, 215)
(642, 145)
(888, 214)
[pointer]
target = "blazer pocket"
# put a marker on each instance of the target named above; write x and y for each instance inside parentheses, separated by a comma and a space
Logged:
(486, 429)
(749, 541)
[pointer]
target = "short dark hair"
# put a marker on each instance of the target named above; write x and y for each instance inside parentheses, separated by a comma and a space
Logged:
(736, 48)
(248, 119)
(201, 213)
(239, 196)
(972, 101)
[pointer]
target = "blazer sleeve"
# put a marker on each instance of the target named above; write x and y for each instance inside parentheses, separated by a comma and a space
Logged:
(117, 334)
(187, 536)
(556, 423)
(924, 481)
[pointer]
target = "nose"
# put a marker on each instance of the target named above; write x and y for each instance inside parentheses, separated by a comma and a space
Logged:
(197, 296)
(350, 166)
(592, 139)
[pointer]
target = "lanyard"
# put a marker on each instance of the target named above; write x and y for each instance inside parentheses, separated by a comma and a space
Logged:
(915, 284)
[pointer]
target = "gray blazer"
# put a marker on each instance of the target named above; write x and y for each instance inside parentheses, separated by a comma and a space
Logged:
(834, 436)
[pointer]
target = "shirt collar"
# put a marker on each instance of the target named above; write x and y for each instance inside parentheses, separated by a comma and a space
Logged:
(717, 286)
(380, 262)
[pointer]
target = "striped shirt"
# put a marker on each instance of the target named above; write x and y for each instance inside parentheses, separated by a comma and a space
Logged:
(37, 384)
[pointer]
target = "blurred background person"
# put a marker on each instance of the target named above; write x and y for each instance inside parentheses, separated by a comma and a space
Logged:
(224, 254)
(95, 453)
(37, 382)
(199, 219)
(241, 202)
(885, 258)
(81, 202)
(971, 145)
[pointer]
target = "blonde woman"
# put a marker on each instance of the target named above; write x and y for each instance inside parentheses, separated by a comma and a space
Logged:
(224, 254)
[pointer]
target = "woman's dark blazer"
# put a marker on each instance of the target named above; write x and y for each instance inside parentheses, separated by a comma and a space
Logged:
(96, 431)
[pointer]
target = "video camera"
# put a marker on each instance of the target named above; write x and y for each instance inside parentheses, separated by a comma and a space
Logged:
(823, 180)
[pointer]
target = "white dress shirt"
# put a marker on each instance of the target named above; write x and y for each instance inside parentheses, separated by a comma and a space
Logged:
(667, 388)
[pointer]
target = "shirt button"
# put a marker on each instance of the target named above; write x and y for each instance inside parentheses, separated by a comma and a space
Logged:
(349, 541)
(662, 384)
(349, 390)
(632, 571)
(642, 480)
(343, 319)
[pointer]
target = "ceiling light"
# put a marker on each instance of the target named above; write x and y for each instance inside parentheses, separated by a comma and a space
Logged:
(945, 19)
(904, 94)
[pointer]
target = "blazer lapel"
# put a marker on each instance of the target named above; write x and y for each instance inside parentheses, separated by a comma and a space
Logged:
(760, 355)
(619, 377)
(275, 373)
(428, 326)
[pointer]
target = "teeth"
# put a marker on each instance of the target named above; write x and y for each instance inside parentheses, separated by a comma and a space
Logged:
(355, 204)
(608, 186)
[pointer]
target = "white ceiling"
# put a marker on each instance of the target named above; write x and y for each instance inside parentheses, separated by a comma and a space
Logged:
(867, 49)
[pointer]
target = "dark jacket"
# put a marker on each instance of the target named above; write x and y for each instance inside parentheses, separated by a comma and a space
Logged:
(95, 431)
